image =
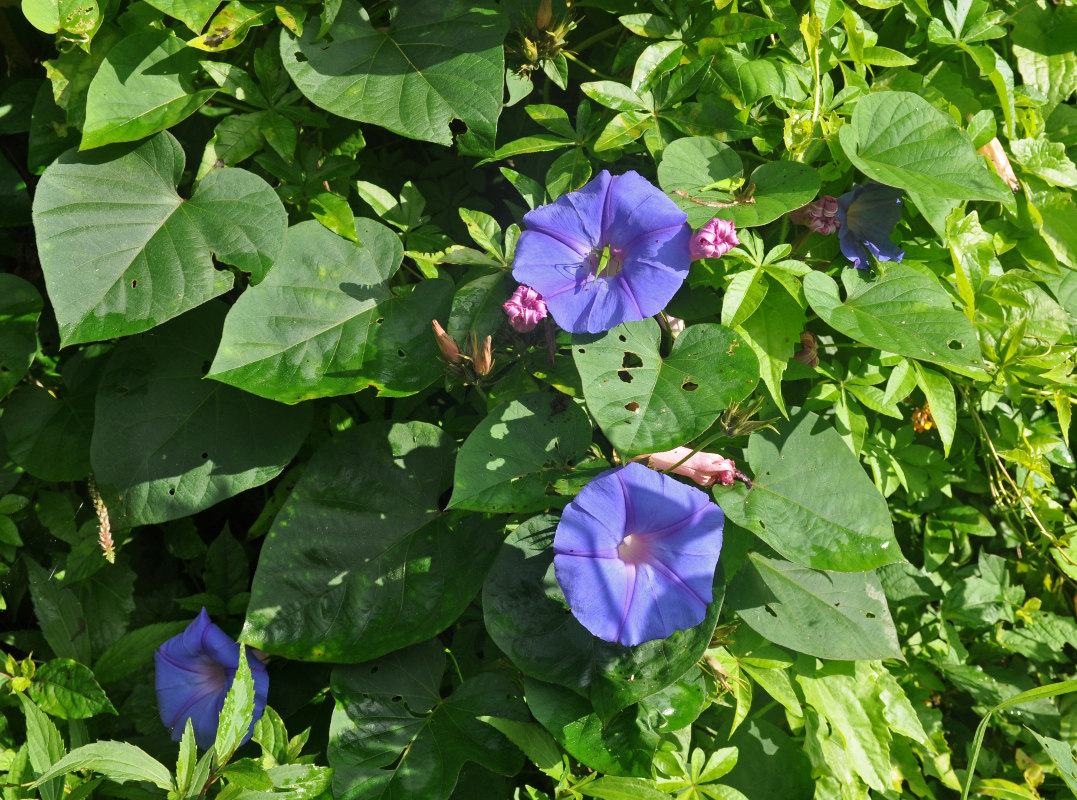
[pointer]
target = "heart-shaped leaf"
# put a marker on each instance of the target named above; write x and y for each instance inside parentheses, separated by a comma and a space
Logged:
(361, 560)
(438, 60)
(834, 615)
(900, 139)
(123, 252)
(513, 456)
(646, 403)
(901, 311)
(168, 443)
(811, 500)
(324, 321)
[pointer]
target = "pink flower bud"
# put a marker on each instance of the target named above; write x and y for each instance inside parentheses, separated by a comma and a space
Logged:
(706, 469)
(809, 350)
(525, 308)
(714, 239)
(819, 215)
(446, 344)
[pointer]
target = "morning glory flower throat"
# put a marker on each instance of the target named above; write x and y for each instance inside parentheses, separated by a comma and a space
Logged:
(635, 554)
(615, 251)
(867, 215)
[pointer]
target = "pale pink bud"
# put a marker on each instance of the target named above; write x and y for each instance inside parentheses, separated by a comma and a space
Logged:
(714, 239)
(809, 350)
(675, 325)
(820, 215)
(446, 344)
(525, 308)
(706, 469)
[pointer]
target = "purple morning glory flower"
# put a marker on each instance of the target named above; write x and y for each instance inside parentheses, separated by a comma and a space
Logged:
(615, 251)
(867, 215)
(635, 554)
(194, 673)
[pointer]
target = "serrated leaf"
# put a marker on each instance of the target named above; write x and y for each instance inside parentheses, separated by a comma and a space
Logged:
(238, 711)
(123, 252)
(67, 689)
(45, 747)
(134, 650)
(118, 761)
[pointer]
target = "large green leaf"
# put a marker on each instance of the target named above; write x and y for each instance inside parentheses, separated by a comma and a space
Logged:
(646, 403)
(438, 60)
(528, 618)
(168, 443)
(394, 736)
(900, 139)
(123, 252)
(360, 560)
(835, 615)
(143, 87)
(811, 500)
(901, 311)
(324, 321)
(119, 761)
(512, 457)
(20, 306)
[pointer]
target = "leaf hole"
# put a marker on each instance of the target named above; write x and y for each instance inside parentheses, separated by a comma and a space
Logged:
(869, 614)
(953, 344)
(689, 386)
(171, 491)
(581, 350)
(400, 353)
(379, 320)
(631, 360)
(134, 283)
(624, 375)
(633, 406)
(397, 698)
(373, 669)
(302, 59)
(205, 455)
(771, 611)
(622, 337)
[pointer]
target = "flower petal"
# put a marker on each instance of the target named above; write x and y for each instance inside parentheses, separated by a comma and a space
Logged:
(597, 591)
(575, 219)
(635, 208)
(660, 605)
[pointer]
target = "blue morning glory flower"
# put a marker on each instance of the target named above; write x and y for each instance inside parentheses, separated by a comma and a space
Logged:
(635, 554)
(195, 670)
(614, 251)
(868, 214)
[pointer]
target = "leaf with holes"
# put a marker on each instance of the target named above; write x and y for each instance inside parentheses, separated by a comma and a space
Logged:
(528, 619)
(324, 321)
(901, 311)
(123, 252)
(646, 403)
(168, 443)
(811, 500)
(511, 459)
(835, 615)
(361, 560)
(437, 60)
(394, 736)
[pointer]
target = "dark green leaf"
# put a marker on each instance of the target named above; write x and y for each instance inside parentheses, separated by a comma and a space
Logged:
(395, 737)
(438, 60)
(322, 591)
(134, 650)
(20, 306)
(168, 443)
(58, 613)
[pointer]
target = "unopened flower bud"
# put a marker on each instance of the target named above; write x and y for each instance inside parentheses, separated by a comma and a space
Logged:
(446, 344)
(483, 357)
(544, 15)
(714, 239)
(525, 309)
(706, 469)
(819, 215)
(809, 350)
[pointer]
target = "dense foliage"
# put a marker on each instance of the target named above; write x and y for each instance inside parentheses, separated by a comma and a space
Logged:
(227, 228)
